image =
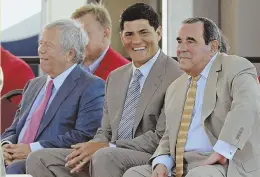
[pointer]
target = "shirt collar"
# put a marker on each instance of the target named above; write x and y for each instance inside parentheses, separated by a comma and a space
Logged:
(96, 63)
(145, 68)
(205, 72)
(58, 81)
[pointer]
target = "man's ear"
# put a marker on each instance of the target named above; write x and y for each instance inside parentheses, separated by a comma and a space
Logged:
(107, 32)
(213, 46)
(159, 32)
(71, 55)
(121, 36)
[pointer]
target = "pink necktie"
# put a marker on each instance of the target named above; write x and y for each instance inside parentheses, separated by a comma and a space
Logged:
(37, 116)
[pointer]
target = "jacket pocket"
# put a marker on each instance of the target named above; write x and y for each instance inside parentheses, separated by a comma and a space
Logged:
(252, 164)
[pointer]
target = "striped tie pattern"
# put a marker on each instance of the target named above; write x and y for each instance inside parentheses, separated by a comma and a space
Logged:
(126, 124)
(185, 124)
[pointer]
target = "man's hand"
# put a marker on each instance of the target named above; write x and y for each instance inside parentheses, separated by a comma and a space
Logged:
(18, 151)
(7, 156)
(216, 158)
(160, 171)
(81, 155)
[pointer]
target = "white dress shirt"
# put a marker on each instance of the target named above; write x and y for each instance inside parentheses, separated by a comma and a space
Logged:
(197, 139)
(145, 69)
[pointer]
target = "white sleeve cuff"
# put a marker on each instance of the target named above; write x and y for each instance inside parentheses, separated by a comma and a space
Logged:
(225, 149)
(5, 142)
(112, 145)
(166, 160)
(35, 146)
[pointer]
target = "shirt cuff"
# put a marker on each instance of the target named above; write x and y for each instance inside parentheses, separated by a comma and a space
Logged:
(112, 145)
(35, 146)
(225, 149)
(166, 160)
(6, 142)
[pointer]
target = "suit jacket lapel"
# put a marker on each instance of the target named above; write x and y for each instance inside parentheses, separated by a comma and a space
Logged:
(152, 83)
(30, 100)
(121, 92)
(211, 89)
(64, 91)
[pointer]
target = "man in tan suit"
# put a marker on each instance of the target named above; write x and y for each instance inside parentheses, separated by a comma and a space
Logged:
(222, 140)
(133, 117)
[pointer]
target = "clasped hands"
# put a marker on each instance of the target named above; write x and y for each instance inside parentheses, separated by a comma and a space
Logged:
(81, 155)
(15, 152)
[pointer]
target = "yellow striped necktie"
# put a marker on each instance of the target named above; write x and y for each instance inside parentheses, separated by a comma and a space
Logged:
(184, 126)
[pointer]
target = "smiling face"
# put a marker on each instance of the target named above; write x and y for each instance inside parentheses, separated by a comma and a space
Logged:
(140, 40)
(192, 52)
(52, 59)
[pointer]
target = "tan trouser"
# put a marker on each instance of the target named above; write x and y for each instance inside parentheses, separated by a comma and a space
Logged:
(51, 163)
(106, 162)
(192, 168)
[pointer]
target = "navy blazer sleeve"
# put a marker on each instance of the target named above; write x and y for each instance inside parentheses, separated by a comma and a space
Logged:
(88, 118)
(10, 132)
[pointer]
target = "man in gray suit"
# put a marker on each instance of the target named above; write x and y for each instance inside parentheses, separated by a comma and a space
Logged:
(133, 115)
(61, 108)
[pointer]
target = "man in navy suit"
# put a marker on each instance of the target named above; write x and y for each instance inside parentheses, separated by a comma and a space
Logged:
(61, 108)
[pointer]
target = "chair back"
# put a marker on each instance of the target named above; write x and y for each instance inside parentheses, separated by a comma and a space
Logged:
(8, 108)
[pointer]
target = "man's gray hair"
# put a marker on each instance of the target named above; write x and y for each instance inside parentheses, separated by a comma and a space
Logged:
(72, 36)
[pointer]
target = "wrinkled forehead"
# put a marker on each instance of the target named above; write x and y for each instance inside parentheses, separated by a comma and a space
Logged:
(51, 32)
(193, 30)
(51, 36)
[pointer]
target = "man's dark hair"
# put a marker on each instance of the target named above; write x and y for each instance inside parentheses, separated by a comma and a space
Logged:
(211, 31)
(140, 11)
(224, 44)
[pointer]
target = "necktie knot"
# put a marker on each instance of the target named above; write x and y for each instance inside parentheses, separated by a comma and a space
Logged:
(50, 83)
(49, 87)
(137, 74)
(195, 79)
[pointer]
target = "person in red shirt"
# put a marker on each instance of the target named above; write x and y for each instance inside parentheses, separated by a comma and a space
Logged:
(16, 73)
(100, 59)
(1, 79)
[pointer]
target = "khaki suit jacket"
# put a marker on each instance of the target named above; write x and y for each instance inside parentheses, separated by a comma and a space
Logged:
(230, 112)
(149, 125)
